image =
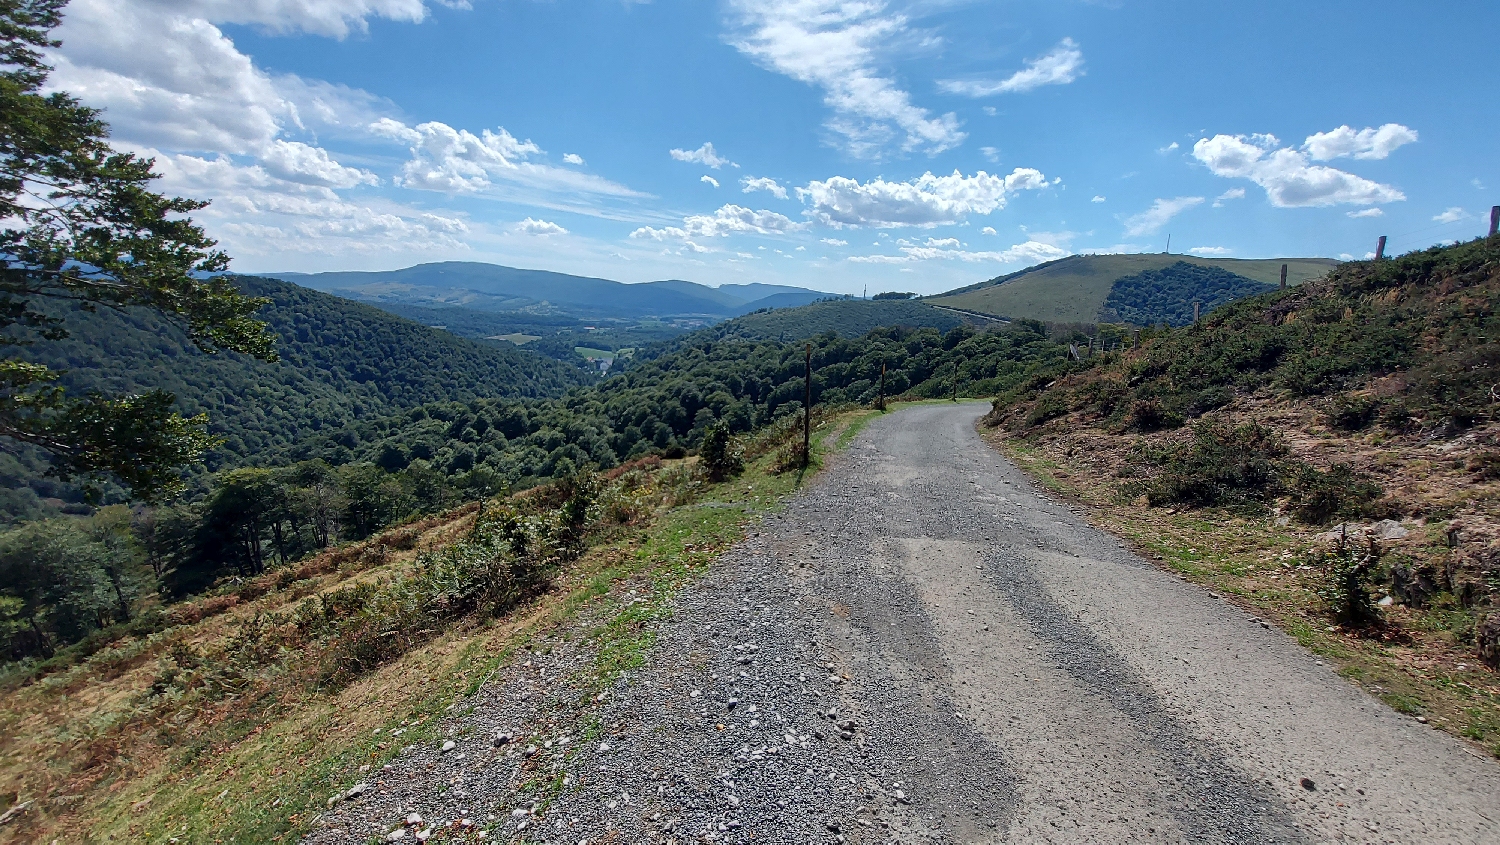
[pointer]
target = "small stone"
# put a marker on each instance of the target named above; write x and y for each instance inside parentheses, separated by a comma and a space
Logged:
(1386, 601)
(413, 820)
(1422, 719)
(1308, 785)
(449, 745)
(396, 835)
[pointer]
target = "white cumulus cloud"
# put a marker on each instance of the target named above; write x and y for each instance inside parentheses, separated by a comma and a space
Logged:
(572, 158)
(705, 155)
(988, 230)
(1231, 194)
(1153, 218)
(541, 228)
(1366, 212)
(456, 161)
(750, 184)
(728, 220)
(1060, 66)
(1032, 252)
(837, 46)
(1097, 198)
(1452, 215)
(834, 242)
(925, 201)
(1210, 250)
(1366, 143)
(297, 162)
(1286, 174)
(709, 179)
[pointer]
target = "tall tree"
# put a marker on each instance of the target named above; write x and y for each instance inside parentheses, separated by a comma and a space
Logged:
(82, 229)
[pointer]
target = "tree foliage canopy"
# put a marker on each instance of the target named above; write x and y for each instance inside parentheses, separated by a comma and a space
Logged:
(82, 226)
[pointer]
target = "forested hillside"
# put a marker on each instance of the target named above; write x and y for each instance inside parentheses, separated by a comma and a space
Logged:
(1169, 295)
(848, 317)
(668, 397)
(340, 362)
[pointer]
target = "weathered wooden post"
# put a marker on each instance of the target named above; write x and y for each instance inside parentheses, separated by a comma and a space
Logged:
(955, 381)
(881, 406)
(807, 412)
(1380, 249)
(1494, 220)
(1283, 277)
(1197, 306)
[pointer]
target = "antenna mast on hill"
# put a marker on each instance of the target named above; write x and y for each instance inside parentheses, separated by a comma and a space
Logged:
(1169, 244)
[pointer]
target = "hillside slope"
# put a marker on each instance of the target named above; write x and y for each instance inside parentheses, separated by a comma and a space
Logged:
(492, 287)
(1364, 402)
(849, 318)
(1074, 289)
(340, 362)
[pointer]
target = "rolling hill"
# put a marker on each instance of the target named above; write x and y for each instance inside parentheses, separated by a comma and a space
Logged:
(491, 287)
(1074, 289)
(847, 317)
(341, 361)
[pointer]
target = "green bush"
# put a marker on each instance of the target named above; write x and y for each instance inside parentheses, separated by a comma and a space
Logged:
(1352, 413)
(722, 458)
(1347, 570)
(1318, 497)
(1222, 465)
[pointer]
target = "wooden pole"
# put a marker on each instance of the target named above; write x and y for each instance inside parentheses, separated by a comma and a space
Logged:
(1380, 249)
(807, 412)
(955, 381)
(1283, 277)
(882, 387)
(1196, 310)
(1494, 220)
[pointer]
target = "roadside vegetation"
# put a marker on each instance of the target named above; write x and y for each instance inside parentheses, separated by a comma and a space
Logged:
(243, 710)
(1322, 454)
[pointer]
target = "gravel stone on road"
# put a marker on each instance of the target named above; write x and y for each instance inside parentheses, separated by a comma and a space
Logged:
(926, 648)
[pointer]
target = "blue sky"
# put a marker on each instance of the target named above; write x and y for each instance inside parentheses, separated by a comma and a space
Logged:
(836, 145)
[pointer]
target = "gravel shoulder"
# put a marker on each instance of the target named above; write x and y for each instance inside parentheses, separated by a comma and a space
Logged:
(924, 647)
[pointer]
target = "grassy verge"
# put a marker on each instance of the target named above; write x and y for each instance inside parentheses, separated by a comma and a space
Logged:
(1416, 664)
(262, 773)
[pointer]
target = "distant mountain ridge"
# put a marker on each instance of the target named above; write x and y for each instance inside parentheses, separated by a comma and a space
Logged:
(493, 287)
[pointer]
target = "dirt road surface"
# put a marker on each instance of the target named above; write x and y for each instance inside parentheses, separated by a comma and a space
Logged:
(925, 647)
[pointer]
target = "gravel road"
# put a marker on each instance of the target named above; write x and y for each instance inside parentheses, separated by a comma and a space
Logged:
(925, 647)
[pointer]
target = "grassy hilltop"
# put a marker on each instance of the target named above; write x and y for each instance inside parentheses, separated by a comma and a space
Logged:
(1074, 289)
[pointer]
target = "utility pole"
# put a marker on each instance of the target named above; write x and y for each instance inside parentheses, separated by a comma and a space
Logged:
(1283, 277)
(1380, 249)
(1169, 243)
(1196, 306)
(807, 412)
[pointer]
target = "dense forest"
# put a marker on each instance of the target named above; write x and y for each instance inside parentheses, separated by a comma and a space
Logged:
(340, 362)
(1167, 295)
(847, 317)
(314, 485)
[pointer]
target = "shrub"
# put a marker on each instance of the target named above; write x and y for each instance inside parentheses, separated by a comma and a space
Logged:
(1149, 415)
(1222, 465)
(1318, 497)
(1352, 413)
(722, 458)
(1347, 569)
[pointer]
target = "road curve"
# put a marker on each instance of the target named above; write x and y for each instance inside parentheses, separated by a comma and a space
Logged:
(926, 648)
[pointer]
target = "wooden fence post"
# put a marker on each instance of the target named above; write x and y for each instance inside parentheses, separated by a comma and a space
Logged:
(1196, 307)
(955, 381)
(1494, 220)
(807, 412)
(881, 406)
(1380, 249)
(1283, 277)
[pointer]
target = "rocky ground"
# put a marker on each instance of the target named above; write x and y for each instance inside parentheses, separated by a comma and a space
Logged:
(925, 648)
